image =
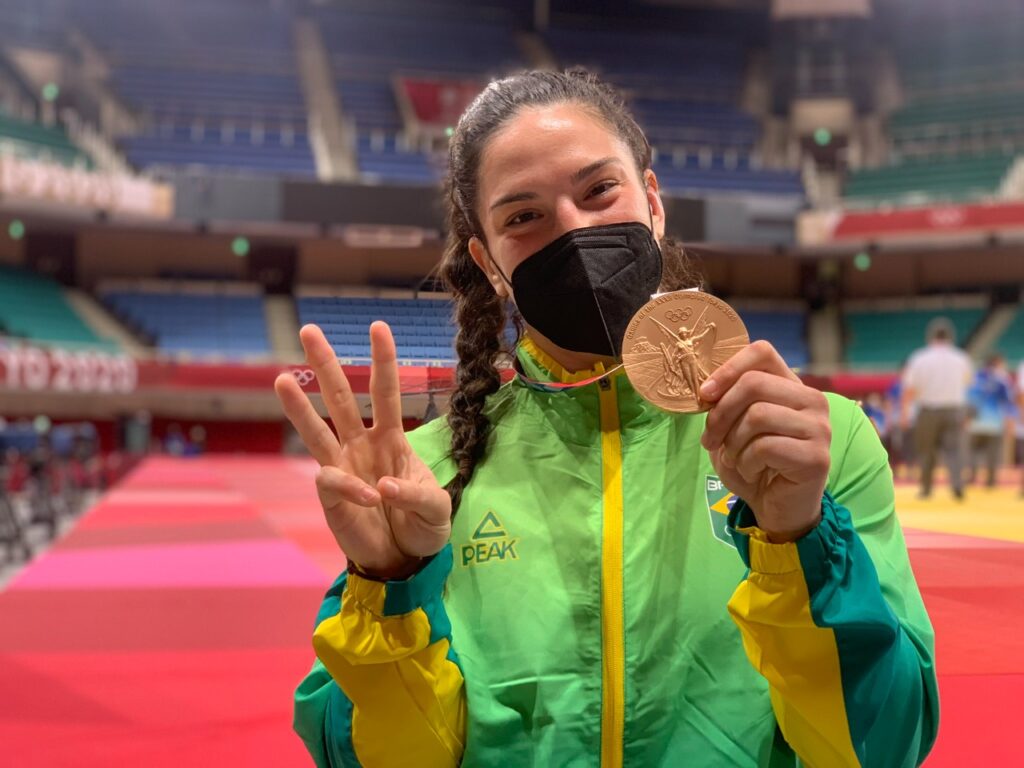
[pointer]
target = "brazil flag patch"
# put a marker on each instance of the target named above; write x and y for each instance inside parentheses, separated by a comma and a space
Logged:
(720, 501)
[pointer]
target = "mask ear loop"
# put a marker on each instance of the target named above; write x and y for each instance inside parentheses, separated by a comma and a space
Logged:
(500, 272)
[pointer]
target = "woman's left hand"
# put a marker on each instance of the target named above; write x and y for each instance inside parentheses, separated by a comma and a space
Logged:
(768, 436)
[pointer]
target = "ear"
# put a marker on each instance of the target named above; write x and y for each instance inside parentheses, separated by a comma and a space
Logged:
(480, 256)
(654, 201)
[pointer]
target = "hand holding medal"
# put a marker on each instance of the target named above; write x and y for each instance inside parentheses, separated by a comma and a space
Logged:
(767, 433)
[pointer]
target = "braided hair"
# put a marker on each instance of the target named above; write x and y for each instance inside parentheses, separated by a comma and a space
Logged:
(480, 314)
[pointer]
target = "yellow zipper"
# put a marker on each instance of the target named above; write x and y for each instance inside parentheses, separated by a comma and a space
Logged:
(613, 664)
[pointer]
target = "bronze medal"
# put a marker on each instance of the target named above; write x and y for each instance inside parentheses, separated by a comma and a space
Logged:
(674, 343)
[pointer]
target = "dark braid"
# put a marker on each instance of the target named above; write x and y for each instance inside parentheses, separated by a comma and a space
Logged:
(480, 319)
(480, 314)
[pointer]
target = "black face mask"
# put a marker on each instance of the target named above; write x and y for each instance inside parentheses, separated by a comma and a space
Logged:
(582, 289)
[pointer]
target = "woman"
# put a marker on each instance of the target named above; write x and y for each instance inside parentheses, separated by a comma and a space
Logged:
(546, 578)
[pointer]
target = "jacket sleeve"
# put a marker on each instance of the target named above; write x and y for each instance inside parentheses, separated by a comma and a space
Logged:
(835, 621)
(386, 688)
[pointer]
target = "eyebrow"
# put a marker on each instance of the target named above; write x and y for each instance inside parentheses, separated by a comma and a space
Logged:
(578, 176)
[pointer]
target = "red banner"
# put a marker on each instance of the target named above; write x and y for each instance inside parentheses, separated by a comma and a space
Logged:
(907, 222)
(439, 102)
(34, 369)
(171, 375)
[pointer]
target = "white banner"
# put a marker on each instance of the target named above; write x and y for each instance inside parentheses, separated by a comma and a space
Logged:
(816, 9)
(37, 181)
(58, 370)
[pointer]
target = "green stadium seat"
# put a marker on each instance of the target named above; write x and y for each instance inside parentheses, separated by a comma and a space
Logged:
(34, 308)
(1011, 343)
(882, 339)
(957, 178)
(34, 140)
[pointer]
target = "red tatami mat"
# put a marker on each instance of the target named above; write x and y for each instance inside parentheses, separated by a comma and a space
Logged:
(170, 627)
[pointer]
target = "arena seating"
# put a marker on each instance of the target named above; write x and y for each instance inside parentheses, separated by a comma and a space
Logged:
(369, 44)
(34, 23)
(1011, 343)
(373, 40)
(961, 68)
(424, 331)
(944, 46)
(422, 327)
(880, 338)
(382, 158)
(992, 117)
(194, 320)
(371, 103)
(669, 123)
(30, 139)
(34, 308)
(650, 60)
(956, 178)
(721, 172)
(783, 328)
(704, 142)
(215, 84)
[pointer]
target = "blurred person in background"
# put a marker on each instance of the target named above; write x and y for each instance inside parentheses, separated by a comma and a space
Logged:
(196, 445)
(174, 441)
(874, 409)
(992, 412)
(12, 528)
(899, 435)
(936, 380)
(44, 485)
(135, 433)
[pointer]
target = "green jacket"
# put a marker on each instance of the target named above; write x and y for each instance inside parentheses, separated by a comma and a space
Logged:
(604, 601)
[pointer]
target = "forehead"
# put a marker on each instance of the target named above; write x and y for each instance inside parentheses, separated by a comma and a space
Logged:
(541, 143)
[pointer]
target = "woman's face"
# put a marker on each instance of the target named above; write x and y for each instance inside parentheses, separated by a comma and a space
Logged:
(550, 170)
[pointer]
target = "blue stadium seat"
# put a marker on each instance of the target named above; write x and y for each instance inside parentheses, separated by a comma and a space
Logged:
(196, 323)
(422, 327)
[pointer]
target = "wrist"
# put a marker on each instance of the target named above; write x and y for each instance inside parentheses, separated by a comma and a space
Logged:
(788, 536)
(399, 572)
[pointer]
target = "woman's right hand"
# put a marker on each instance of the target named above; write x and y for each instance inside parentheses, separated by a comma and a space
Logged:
(382, 503)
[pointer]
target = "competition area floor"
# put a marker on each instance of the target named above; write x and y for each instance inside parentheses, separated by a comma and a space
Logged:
(170, 626)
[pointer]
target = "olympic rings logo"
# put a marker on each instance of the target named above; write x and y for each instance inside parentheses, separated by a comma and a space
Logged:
(303, 376)
(678, 315)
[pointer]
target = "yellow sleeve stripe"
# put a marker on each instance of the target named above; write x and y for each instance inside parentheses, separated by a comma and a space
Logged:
(799, 659)
(407, 693)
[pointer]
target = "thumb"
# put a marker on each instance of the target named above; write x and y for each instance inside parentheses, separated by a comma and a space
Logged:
(427, 500)
(335, 487)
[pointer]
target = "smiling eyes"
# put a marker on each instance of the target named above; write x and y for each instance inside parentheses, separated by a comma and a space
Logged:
(600, 189)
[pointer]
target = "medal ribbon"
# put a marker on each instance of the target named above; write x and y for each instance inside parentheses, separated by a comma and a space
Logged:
(557, 386)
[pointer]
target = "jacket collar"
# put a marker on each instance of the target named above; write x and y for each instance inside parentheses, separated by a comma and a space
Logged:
(535, 369)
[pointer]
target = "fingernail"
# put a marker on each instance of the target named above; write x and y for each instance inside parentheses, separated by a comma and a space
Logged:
(709, 389)
(389, 487)
(368, 494)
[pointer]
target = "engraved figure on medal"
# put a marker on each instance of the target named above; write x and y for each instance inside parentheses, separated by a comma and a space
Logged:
(669, 370)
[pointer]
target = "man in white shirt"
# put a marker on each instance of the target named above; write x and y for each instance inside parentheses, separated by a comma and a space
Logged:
(936, 379)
